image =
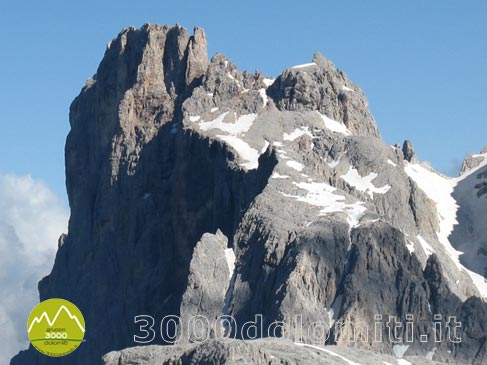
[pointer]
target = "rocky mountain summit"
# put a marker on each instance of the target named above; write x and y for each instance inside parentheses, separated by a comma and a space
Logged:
(197, 189)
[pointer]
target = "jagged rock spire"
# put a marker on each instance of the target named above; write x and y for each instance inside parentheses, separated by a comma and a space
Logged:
(408, 151)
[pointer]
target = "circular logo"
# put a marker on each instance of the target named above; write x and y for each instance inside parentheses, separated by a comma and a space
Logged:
(56, 327)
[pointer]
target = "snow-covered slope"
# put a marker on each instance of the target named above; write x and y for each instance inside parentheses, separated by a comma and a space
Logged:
(470, 235)
(461, 212)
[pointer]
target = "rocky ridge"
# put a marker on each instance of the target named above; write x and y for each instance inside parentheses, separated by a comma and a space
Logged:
(257, 352)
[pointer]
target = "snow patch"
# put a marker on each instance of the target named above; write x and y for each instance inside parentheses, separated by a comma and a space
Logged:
(346, 88)
(364, 183)
(304, 65)
(230, 258)
(332, 163)
(403, 362)
(428, 250)
(241, 125)
(282, 154)
(410, 246)
(322, 195)
(431, 353)
(276, 175)
(214, 109)
(391, 163)
(264, 97)
(268, 82)
(194, 118)
(438, 189)
(298, 132)
(399, 350)
(334, 126)
(295, 165)
(230, 76)
(245, 152)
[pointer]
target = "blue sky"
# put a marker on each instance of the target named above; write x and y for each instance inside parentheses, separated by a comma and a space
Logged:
(422, 64)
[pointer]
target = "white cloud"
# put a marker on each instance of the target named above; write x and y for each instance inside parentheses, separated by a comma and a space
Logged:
(32, 218)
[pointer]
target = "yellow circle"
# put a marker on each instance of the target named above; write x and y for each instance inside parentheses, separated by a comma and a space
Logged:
(56, 327)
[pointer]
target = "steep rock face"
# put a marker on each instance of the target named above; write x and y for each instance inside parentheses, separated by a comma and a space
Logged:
(472, 314)
(208, 282)
(142, 190)
(325, 220)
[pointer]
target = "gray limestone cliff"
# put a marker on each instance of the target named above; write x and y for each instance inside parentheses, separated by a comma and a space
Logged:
(177, 165)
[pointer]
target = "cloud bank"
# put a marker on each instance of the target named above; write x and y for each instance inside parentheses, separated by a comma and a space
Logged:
(32, 218)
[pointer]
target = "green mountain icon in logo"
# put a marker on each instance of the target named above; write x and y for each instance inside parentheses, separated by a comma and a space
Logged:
(58, 316)
(56, 327)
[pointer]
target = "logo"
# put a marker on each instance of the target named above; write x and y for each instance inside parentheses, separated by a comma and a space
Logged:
(56, 327)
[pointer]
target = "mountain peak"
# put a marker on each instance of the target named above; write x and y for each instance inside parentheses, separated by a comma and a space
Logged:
(322, 61)
(326, 89)
(166, 50)
(195, 187)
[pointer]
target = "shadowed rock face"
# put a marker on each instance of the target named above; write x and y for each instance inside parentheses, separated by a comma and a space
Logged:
(408, 151)
(176, 164)
(142, 190)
